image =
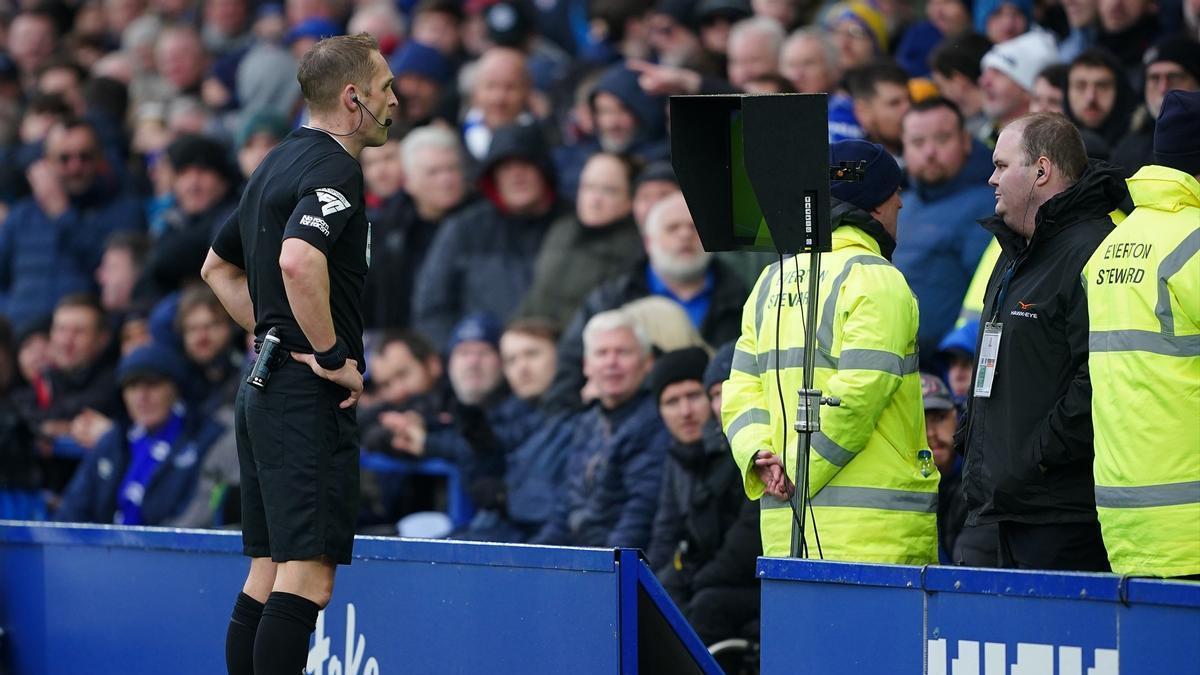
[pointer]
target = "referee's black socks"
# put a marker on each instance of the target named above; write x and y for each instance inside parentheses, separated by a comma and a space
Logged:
(281, 646)
(239, 639)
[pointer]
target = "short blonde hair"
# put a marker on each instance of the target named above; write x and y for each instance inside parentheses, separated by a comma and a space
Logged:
(331, 64)
(666, 324)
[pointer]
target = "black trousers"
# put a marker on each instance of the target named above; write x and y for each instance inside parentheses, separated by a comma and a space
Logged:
(1067, 547)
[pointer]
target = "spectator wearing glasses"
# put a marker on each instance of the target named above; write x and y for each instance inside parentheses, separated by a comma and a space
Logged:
(51, 243)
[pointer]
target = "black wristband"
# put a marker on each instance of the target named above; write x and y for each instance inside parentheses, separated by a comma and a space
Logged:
(334, 358)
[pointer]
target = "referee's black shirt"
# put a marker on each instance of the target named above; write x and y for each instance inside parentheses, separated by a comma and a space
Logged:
(310, 188)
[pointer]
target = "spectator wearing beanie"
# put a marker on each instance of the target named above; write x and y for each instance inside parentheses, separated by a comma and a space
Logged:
(422, 74)
(859, 32)
(705, 540)
(145, 472)
(1009, 71)
(203, 185)
(1002, 20)
(1172, 64)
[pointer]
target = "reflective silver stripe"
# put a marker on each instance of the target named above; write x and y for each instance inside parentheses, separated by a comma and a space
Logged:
(751, 416)
(1144, 341)
(825, 329)
(877, 359)
(1171, 264)
(877, 498)
(793, 358)
(830, 450)
(1170, 494)
(745, 362)
(769, 502)
(764, 292)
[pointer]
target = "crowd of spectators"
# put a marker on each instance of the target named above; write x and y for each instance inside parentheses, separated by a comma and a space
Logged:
(531, 254)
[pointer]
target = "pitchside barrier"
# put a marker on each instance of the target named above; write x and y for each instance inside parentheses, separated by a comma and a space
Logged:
(94, 599)
(833, 618)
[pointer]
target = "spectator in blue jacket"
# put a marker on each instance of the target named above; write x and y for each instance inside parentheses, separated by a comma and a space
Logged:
(614, 471)
(51, 242)
(940, 242)
(143, 473)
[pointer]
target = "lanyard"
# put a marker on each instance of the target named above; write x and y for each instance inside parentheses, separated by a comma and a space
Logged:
(1003, 292)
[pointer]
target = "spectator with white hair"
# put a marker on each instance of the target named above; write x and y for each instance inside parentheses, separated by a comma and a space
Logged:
(754, 46)
(676, 267)
(618, 450)
(809, 60)
(404, 225)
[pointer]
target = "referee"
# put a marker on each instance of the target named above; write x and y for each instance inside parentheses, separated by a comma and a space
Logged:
(293, 257)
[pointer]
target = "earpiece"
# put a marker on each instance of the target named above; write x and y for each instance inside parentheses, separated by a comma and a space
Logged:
(1041, 172)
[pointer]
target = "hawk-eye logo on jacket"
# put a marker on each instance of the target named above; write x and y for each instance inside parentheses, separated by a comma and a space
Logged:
(1023, 310)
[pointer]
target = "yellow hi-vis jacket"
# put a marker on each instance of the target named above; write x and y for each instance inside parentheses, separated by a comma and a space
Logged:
(1143, 291)
(869, 499)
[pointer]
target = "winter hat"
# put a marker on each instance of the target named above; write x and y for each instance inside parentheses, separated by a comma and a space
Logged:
(882, 179)
(718, 369)
(658, 170)
(262, 121)
(866, 16)
(984, 9)
(733, 10)
(315, 28)
(1022, 57)
(1176, 143)
(677, 366)
(477, 327)
(151, 361)
(1181, 50)
(419, 59)
(682, 11)
(510, 22)
(935, 394)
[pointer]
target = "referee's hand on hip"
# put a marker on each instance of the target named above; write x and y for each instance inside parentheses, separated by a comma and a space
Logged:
(347, 376)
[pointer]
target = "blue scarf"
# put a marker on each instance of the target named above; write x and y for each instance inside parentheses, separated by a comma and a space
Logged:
(147, 450)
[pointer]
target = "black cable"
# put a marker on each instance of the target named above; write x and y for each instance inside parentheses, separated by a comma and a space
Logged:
(360, 123)
(804, 505)
(797, 520)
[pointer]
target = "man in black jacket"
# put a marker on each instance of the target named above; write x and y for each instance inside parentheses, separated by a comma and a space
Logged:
(1027, 434)
(705, 542)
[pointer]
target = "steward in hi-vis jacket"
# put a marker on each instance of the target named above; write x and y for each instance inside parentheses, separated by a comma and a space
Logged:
(870, 499)
(1143, 293)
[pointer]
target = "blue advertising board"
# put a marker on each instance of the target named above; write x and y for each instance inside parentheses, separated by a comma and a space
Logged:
(831, 617)
(105, 599)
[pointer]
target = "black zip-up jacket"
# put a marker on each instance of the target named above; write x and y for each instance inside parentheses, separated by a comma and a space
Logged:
(1029, 445)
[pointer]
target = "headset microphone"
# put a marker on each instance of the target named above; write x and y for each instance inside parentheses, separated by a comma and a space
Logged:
(361, 107)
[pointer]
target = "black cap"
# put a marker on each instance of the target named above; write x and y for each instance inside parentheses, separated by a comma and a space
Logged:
(677, 366)
(1176, 143)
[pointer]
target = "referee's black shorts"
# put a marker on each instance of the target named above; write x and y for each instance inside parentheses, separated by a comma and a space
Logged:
(299, 461)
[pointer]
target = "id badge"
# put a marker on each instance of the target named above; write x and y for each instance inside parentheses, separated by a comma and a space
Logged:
(989, 348)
